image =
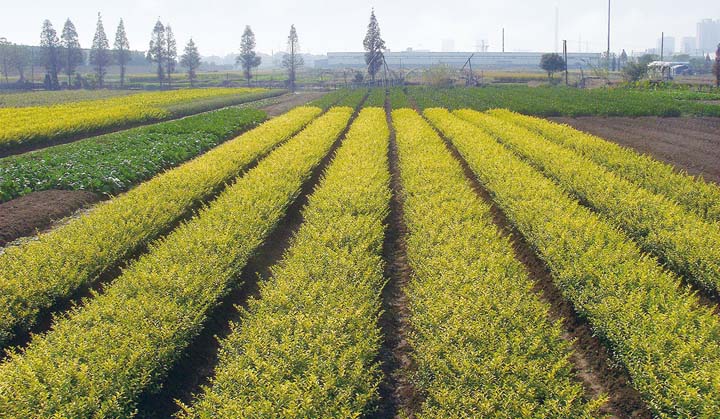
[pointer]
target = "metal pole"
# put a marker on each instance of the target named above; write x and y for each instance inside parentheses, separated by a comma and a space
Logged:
(503, 40)
(662, 46)
(608, 46)
(566, 61)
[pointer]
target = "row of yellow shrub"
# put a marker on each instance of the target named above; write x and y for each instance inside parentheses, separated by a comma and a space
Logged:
(693, 193)
(41, 123)
(482, 339)
(683, 240)
(36, 274)
(100, 358)
(308, 347)
(658, 331)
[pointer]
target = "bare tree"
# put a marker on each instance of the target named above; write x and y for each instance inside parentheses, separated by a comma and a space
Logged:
(292, 60)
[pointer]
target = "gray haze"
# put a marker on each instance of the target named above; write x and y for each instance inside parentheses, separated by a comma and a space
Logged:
(216, 25)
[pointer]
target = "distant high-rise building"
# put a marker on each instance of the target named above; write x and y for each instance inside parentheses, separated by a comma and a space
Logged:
(689, 45)
(448, 45)
(708, 35)
(668, 49)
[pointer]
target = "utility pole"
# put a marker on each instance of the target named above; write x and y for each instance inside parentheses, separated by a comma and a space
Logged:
(503, 39)
(662, 46)
(566, 61)
(608, 46)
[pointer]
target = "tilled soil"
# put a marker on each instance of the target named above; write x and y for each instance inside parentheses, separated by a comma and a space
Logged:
(690, 144)
(37, 211)
(290, 100)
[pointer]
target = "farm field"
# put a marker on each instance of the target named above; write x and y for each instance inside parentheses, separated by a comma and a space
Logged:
(26, 128)
(692, 144)
(560, 101)
(415, 252)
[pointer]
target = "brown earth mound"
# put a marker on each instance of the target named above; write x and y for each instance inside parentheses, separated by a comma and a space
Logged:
(691, 144)
(37, 211)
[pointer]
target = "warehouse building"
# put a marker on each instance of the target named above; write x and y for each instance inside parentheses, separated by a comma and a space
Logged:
(480, 60)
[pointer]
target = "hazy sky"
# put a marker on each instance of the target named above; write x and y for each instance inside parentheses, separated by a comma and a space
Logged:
(324, 25)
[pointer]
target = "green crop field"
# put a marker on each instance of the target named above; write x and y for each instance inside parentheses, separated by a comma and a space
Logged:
(428, 252)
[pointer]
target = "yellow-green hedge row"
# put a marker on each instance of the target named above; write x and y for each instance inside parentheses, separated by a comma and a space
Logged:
(482, 339)
(100, 357)
(43, 123)
(687, 243)
(692, 193)
(308, 347)
(36, 274)
(669, 344)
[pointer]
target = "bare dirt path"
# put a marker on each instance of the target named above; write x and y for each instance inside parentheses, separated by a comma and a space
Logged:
(38, 211)
(288, 101)
(398, 396)
(691, 144)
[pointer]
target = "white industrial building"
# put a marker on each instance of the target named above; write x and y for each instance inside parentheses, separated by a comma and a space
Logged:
(480, 60)
(708, 36)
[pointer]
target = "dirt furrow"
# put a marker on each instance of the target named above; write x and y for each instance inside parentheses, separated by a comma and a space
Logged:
(398, 396)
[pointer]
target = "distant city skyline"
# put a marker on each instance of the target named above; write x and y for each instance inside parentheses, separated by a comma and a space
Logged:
(216, 25)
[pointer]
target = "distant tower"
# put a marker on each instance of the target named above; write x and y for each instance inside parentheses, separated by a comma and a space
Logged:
(557, 28)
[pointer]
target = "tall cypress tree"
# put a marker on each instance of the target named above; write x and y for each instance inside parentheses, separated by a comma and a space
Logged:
(292, 60)
(170, 53)
(248, 58)
(50, 45)
(100, 56)
(72, 53)
(374, 46)
(191, 61)
(122, 50)
(156, 52)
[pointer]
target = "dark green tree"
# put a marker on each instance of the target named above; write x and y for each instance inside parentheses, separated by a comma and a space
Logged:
(374, 47)
(122, 50)
(19, 59)
(5, 60)
(191, 61)
(248, 59)
(292, 60)
(100, 57)
(623, 60)
(71, 51)
(156, 52)
(50, 45)
(637, 70)
(170, 53)
(552, 63)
